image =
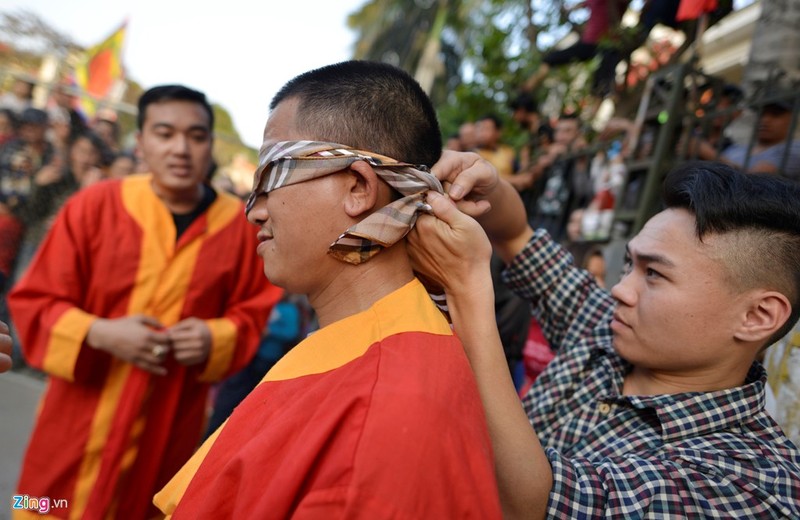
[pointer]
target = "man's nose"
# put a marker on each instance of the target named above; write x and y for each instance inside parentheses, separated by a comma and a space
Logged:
(256, 210)
(180, 144)
(624, 291)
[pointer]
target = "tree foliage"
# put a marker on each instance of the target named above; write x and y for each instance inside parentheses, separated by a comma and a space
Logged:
(28, 33)
(487, 48)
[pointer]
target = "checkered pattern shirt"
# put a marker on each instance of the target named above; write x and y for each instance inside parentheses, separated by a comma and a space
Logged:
(692, 455)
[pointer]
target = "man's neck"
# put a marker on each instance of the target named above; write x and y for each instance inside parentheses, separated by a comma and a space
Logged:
(642, 381)
(355, 288)
(180, 202)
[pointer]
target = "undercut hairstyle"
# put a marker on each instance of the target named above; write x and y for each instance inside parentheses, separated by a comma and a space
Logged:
(758, 218)
(369, 106)
(164, 93)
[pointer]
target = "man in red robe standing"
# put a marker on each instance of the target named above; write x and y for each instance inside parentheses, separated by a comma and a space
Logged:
(144, 292)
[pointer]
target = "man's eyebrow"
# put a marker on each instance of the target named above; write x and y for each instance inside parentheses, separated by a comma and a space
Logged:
(193, 128)
(648, 258)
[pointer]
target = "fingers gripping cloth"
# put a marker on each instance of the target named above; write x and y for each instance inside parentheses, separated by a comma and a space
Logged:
(291, 162)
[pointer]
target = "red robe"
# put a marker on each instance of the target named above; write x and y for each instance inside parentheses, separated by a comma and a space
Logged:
(108, 435)
(374, 416)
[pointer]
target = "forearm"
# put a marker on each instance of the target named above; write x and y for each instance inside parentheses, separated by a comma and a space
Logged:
(506, 224)
(523, 472)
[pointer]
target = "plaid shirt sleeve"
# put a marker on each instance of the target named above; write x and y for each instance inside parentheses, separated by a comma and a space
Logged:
(569, 305)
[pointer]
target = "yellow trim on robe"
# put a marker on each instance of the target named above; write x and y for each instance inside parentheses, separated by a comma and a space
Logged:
(327, 349)
(345, 340)
(101, 426)
(161, 284)
(226, 208)
(66, 341)
(223, 343)
(223, 211)
(167, 499)
(224, 334)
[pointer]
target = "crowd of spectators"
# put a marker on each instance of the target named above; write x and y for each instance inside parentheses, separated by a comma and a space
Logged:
(47, 153)
(573, 177)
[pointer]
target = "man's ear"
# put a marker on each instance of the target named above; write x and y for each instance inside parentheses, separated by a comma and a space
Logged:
(364, 186)
(768, 312)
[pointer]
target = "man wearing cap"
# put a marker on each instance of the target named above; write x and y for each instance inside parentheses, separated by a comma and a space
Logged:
(144, 292)
(375, 415)
(767, 154)
(772, 138)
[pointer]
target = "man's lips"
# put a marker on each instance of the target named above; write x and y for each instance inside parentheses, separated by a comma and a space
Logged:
(180, 168)
(263, 236)
(619, 320)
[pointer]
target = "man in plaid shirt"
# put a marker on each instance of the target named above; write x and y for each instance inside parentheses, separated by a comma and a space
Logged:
(654, 404)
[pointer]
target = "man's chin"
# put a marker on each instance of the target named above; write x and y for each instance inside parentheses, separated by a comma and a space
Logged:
(622, 348)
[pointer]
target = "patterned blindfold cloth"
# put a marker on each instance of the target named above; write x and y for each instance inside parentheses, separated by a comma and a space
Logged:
(290, 162)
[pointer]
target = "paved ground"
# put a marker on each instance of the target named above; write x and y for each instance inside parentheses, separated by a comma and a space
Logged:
(19, 396)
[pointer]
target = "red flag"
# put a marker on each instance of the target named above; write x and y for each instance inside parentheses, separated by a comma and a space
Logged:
(693, 9)
(101, 68)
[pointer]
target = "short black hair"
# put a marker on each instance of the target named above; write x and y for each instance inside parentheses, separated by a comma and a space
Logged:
(106, 155)
(524, 101)
(545, 130)
(367, 105)
(163, 93)
(732, 92)
(763, 208)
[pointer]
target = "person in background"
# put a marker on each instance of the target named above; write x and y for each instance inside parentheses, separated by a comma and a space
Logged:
(20, 159)
(766, 155)
(19, 97)
(654, 403)
(562, 179)
(64, 101)
(143, 293)
(525, 113)
(467, 134)
(488, 132)
(604, 21)
(8, 125)
(726, 104)
(772, 141)
(453, 143)
(107, 127)
(54, 183)
(123, 164)
(59, 134)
